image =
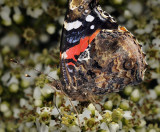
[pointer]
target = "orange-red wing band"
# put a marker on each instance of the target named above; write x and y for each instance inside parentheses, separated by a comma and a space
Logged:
(83, 44)
(71, 63)
(123, 28)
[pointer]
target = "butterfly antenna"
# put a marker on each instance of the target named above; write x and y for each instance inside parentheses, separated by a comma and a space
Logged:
(27, 75)
(28, 67)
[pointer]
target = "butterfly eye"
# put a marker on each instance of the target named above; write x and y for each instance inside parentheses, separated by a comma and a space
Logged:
(128, 64)
(81, 7)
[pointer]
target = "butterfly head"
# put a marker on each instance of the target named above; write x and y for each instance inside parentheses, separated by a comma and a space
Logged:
(75, 4)
(79, 8)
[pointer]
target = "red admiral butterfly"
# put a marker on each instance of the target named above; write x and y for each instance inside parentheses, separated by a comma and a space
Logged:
(97, 55)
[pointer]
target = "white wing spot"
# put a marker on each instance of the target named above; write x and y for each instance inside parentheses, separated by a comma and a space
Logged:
(92, 27)
(73, 25)
(84, 56)
(86, 11)
(70, 70)
(89, 18)
(64, 55)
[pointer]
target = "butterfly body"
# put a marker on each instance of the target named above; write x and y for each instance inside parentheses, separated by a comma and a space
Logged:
(97, 55)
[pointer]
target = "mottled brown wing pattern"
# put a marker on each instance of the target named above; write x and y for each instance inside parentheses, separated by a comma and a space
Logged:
(116, 60)
(97, 55)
